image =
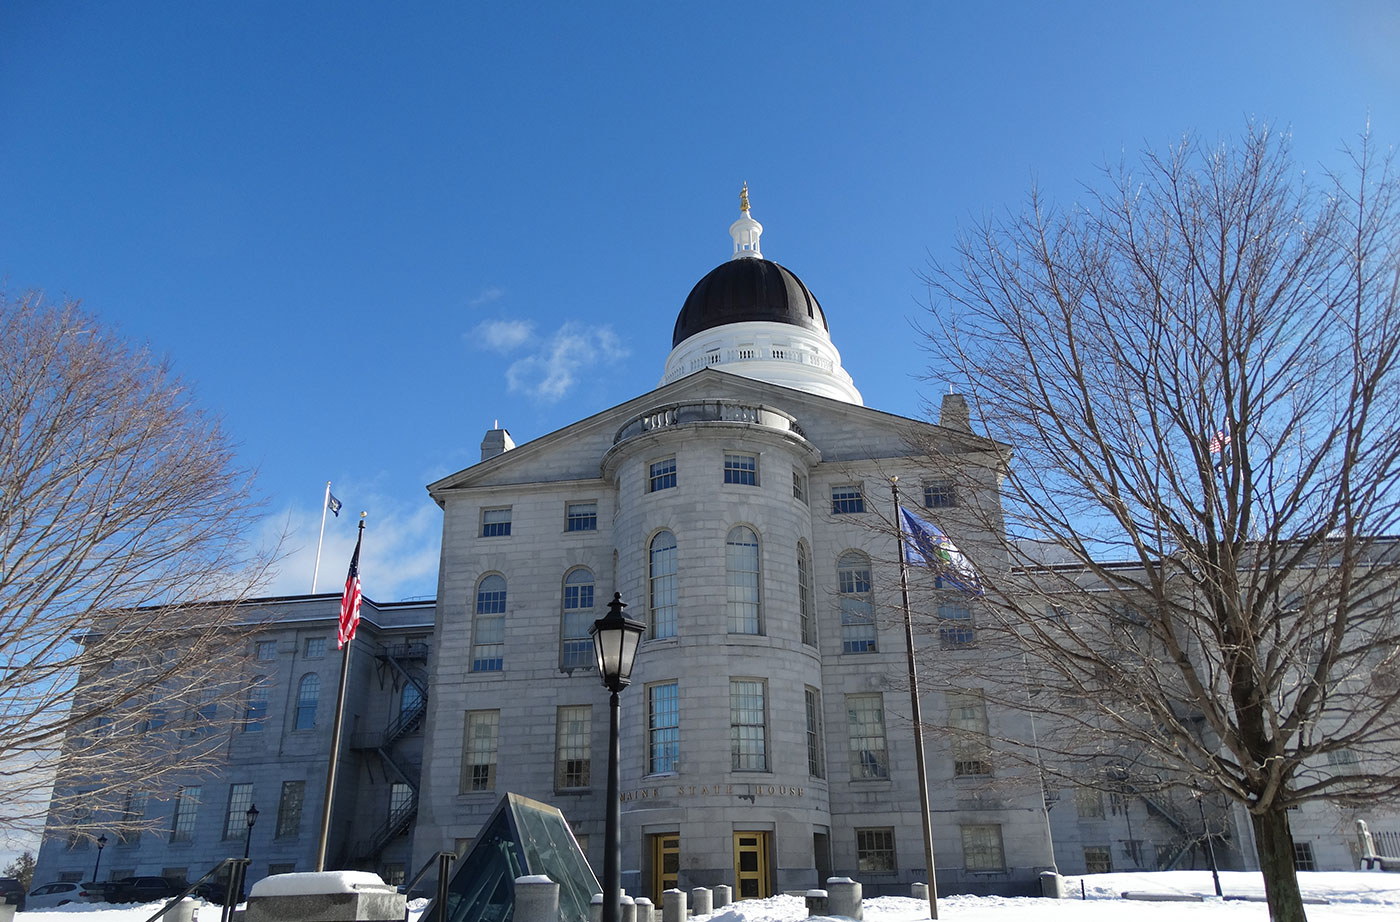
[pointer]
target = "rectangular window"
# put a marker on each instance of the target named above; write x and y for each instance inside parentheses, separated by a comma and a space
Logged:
(663, 475)
(265, 650)
(816, 749)
(240, 798)
(581, 517)
(663, 728)
(806, 604)
(479, 758)
(1098, 859)
(955, 626)
(742, 469)
(982, 850)
(1342, 757)
(1088, 803)
(255, 708)
(289, 809)
(186, 806)
(967, 718)
(495, 523)
(866, 722)
(1303, 858)
(315, 647)
(133, 813)
(573, 736)
(875, 851)
(847, 498)
(799, 486)
(938, 494)
(748, 743)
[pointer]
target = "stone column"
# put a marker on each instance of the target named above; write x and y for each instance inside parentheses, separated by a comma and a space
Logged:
(536, 899)
(644, 909)
(701, 901)
(724, 894)
(918, 891)
(595, 908)
(843, 895)
(628, 908)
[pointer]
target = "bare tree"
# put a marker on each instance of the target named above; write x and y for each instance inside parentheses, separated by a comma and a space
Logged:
(1197, 371)
(122, 556)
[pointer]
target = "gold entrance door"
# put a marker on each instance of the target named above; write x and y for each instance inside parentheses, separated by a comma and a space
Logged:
(665, 865)
(752, 879)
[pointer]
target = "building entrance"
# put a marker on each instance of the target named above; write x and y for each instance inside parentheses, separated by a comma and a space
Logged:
(751, 866)
(665, 865)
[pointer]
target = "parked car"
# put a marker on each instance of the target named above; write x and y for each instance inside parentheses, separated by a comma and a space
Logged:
(12, 891)
(140, 889)
(51, 896)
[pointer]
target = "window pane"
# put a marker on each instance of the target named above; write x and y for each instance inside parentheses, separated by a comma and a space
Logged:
(938, 494)
(308, 695)
(816, 749)
(495, 523)
(663, 475)
(186, 805)
(875, 850)
(866, 719)
(289, 809)
(748, 746)
(742, 574)
(663, 585)
(806, 606)
(847, 499)
(856, 602)
(479, 760)
(581, 517)
(573, 739)
(576, 645)
(741, 469)
(955, 626)
(663, 728)
(489, 627)
(982, 849)
(240, 798)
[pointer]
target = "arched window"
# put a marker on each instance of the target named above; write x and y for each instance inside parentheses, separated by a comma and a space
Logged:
(576, 650)
(308, 694)
(663, 585)
(489, 627)
(410, 699)
(806, 606)
(857, 604)
(742, 579)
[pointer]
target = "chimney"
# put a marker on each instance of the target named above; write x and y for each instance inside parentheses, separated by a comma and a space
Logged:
(495, 442)
(953, 414)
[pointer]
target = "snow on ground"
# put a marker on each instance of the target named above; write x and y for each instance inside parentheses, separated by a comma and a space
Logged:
(1351, 895)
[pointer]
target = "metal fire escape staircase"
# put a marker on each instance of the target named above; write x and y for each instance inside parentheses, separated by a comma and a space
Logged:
(384, 745)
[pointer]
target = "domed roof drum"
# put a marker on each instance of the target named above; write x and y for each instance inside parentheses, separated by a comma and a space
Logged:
(748, 289)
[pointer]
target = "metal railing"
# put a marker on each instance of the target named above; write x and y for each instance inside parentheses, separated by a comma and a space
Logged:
(238, 872)
(443, 860)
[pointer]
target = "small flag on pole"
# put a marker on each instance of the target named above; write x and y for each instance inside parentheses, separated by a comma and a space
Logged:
(1219, 441)
(333, 504)
(350, 601)
(926, 546)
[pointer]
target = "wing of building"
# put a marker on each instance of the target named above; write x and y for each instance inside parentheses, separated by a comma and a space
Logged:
(743, 511)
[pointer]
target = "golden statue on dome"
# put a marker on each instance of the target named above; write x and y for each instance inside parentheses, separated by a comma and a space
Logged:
(744, 198)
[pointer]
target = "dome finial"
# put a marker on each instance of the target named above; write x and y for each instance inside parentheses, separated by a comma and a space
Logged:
(746, 230)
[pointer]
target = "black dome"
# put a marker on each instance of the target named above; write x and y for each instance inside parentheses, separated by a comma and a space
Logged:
(747, 289)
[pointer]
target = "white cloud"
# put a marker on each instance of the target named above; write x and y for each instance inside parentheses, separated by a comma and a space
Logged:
(548, 373)
(487, 295)
(502, 335)
(399, 558)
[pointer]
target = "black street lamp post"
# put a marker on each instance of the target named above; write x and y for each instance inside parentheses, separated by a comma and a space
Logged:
(252, 815)
(101, 844)
(615, 639)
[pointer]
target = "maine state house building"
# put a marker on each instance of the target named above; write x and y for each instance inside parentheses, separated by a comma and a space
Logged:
(766, 736)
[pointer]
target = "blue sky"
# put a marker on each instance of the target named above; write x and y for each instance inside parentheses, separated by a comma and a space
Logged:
(368, 231)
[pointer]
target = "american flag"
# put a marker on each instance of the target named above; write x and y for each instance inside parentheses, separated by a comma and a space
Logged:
(350, 601)
(1219, 441)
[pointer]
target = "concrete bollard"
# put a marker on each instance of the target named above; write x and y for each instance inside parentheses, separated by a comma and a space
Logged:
(595, 908)
(536, 899)
(724, 895)
(183, 911)
(673, 909)
(643, 908)
(701, 901)
(843, 897)
(816, 903)
(918, 891)
(7, 910)
(627, 908)
(1052, 885)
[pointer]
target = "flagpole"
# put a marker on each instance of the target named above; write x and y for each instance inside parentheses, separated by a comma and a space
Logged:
(325, 503)
(334, 762)
(916, 711)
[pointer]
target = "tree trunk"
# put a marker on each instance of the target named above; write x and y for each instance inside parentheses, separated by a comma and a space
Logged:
(1274, 842)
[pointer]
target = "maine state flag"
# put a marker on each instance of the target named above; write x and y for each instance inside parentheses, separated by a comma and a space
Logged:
(926, 546)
